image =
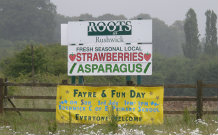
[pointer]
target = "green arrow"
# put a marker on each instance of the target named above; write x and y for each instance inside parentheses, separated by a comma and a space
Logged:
(146, 68)
(72, 68)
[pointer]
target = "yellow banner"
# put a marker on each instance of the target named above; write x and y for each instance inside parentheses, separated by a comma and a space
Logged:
(127, 104)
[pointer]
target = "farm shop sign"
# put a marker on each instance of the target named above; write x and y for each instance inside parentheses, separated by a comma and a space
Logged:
(110, 60)
(87, 105)
(117, 31)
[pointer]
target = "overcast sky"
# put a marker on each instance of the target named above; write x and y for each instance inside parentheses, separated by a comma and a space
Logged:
(166, 10)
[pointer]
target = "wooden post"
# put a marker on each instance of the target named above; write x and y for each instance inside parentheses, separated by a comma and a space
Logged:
(6, 94)
(64, 82)
(199, 100)
(5, 91)
(6, 88)
(1, 95)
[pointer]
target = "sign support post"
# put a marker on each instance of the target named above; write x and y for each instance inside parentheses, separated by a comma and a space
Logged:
(139, 78)
(80, 79)
(73, 80)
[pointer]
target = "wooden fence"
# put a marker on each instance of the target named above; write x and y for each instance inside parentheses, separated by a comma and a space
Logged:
(199, 99)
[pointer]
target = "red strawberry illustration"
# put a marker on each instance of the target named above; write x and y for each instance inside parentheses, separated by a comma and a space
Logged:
(72, 57)
(147, 56)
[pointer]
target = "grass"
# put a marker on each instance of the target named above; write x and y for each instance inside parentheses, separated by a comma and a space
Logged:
(186, 116)
(113, 123)
(44, 123)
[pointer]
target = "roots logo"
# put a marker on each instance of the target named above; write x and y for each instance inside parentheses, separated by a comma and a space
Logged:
(110, 28)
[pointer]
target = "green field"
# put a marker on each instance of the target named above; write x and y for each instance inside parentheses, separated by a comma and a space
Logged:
(44, 123)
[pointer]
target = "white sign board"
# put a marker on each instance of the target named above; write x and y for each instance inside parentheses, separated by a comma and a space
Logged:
(110, 59)
(101, 32)
(64, 34)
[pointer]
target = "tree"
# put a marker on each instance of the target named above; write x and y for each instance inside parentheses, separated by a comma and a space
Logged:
(111, 17)
(211, 33)
(167, 40)
(27, 20)
(214, 31)
(21, 63)
(208, 32)
(50, 59)
(191, 47)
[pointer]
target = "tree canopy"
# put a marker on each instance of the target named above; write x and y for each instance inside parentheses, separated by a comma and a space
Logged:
(211, 33)
(191, 47)
(27, 20)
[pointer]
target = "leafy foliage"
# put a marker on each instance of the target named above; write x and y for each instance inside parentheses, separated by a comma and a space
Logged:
(211, 33)
(27, 20)
(49, 59)
(167, 40)
(180, 70)
(191, 47)
(21, 63)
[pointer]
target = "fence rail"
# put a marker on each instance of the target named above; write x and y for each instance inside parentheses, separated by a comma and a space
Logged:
(199, 99)
(55, 85)
(30, 97)
(166, 98)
